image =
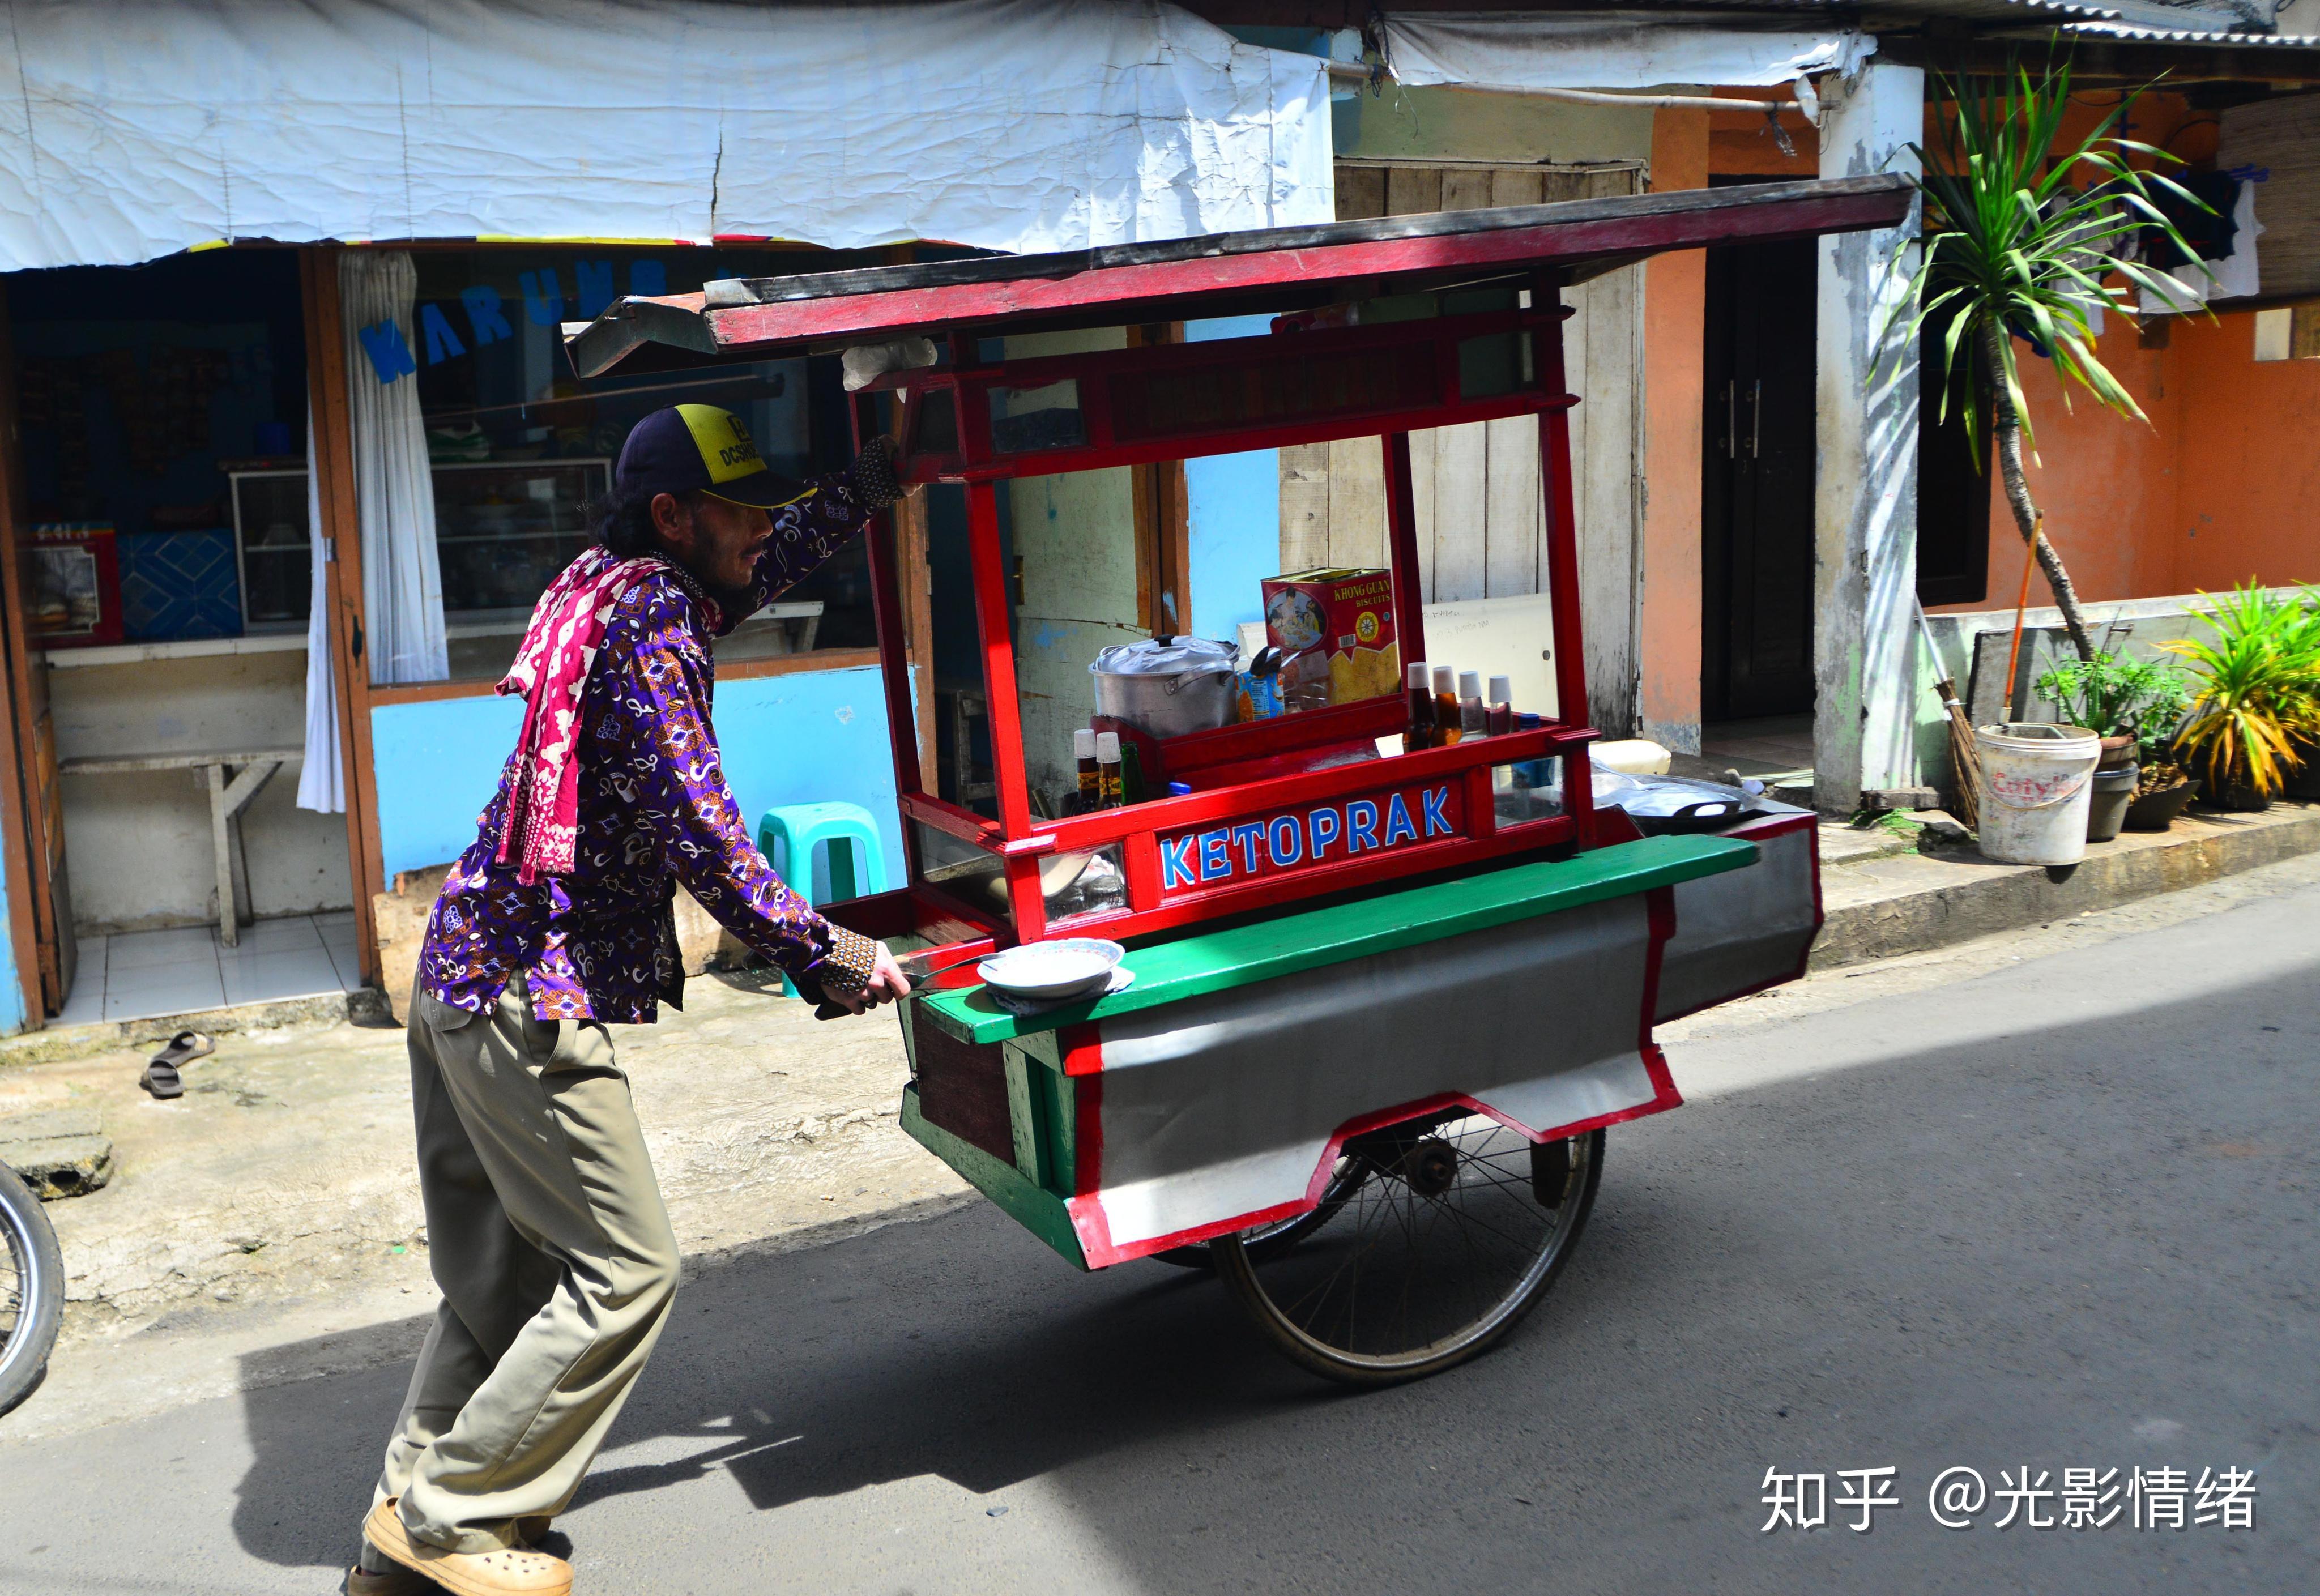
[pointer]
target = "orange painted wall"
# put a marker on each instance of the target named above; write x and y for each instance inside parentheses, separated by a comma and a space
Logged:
(2222, 485)
(2247, 469)
(1675, 301)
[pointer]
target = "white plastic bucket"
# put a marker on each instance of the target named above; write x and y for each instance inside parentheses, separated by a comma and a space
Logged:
(2038, 788)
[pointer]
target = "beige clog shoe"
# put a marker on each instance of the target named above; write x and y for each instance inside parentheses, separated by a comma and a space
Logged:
(395, 1581)
(467, 1574)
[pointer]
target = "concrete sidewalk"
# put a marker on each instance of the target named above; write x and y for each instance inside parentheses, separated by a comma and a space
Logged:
(275, 1206)
(1887, 889)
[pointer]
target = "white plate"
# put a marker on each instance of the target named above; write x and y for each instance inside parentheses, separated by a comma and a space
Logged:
(1046, 971)
(1121, 980)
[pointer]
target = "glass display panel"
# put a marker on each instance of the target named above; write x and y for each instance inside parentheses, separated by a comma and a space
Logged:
(1527, 790)
(277, 556)
(965, 872)
(520, 449)
(1158, 403)
(1045, 417)
(1494, 365)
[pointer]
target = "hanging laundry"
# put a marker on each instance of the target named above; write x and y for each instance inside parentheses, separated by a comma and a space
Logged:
(2209, 228)
(2230, 275)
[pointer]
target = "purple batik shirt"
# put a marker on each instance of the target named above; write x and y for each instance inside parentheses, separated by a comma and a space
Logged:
(654, 809)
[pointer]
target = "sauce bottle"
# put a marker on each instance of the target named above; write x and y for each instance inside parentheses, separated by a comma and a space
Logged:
(1502, 713)
(1107, 769)
(1090, 790)
(1472, 720)
(1420, 733)
(1446, 706)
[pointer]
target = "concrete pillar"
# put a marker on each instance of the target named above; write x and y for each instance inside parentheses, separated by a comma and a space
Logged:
(1865, 491)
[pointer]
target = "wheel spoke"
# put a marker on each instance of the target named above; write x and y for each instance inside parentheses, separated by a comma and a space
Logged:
(1438, 1244)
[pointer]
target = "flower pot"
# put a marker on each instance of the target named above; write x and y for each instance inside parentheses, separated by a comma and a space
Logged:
(2304, 781)
(2118, 754)
(2156, 810)
(2237, 797)
(2114, 791)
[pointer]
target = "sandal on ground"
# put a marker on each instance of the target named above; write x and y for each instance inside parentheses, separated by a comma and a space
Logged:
(396, 1581)
(467, 1574)
(161, 1077)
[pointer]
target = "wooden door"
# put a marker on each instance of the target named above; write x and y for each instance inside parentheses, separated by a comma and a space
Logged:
(1756, 502)
(1475, 488)
(32, 807)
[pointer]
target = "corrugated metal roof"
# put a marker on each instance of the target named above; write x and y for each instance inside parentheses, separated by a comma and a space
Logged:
(2128, 33)
(2135, 23)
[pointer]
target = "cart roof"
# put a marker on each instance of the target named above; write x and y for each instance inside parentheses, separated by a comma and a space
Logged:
(1273, 270)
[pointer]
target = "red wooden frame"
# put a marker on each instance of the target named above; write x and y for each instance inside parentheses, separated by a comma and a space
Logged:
(1414, 349)
(1308, 278)
(1293, 266)
(1152, 838)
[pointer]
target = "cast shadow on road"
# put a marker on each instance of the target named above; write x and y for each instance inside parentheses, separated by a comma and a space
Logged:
(961, 1348)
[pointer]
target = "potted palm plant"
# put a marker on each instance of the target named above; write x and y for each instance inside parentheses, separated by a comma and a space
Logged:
(2134, 706)
(2304, 780)
(2023, 237)
(2255, 693)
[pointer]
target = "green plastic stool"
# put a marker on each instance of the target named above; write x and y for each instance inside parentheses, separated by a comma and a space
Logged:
(789, 835)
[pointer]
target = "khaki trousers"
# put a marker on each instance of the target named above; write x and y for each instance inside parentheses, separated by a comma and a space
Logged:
(555, 1258)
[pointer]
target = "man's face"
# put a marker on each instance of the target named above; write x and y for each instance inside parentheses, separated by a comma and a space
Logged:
(716, 541)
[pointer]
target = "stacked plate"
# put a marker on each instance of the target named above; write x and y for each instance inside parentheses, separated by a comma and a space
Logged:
(1052, 971)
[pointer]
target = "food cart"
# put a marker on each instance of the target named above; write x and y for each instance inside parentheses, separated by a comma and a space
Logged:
(1384, 1003)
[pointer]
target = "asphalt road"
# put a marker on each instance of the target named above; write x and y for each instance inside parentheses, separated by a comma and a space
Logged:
(2060, 1215)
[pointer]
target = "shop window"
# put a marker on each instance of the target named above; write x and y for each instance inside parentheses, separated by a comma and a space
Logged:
(521, 451)
(162, 411)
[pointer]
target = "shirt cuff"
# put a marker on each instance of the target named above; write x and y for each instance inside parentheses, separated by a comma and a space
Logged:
(848, 966)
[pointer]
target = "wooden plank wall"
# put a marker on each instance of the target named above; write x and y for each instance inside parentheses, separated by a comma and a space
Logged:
(1480, 525)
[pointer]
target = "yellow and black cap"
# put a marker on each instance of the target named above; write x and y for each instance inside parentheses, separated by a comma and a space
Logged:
(699, 448)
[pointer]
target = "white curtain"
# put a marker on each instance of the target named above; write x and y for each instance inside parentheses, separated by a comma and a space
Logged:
(394, 492)
(318, 772)
(138, 128)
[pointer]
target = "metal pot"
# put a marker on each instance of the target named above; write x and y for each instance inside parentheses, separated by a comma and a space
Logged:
(1166, 686)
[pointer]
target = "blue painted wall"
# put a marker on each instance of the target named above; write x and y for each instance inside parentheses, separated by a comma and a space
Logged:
(13, 1016)
(815, 737)
(1233, 505)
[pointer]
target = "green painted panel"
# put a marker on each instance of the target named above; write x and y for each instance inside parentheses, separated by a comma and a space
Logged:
(1171, 971)
(1037, 1211)
(1058, 1100)
(1023, 1117)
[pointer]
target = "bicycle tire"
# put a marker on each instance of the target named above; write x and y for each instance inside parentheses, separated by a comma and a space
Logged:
(1295, 1328)
(32, 1289)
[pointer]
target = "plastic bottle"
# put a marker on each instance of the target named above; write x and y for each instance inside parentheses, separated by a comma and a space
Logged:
(1090, 796)
(1474, 721)
(1502, 713)
(1420, 733)
(1107, 768)
(1447, 725)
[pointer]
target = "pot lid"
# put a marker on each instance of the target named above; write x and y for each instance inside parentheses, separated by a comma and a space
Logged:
(1165, 657)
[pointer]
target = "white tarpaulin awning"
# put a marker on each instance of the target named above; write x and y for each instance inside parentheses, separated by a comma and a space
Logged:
(136, 129)
(1613, 49)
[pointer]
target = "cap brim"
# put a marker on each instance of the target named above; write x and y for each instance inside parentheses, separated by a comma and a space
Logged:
(762, 490)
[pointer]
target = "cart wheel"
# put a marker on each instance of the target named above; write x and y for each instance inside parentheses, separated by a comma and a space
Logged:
(32, 1289)
(1263, 1241)
(1459, 1227)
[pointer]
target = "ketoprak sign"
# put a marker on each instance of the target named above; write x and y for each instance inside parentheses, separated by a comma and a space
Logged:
(1310, 836)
